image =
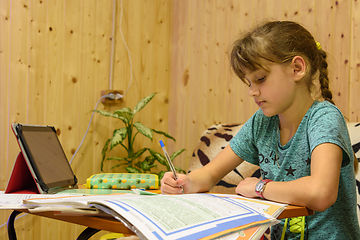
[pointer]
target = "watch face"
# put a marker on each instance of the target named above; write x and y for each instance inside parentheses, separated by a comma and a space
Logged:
(259, 186)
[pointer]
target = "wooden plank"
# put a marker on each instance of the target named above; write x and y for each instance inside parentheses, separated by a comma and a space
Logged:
(235, 88)
(180, 75)
(199, 66)
(148, 65)
(37, 62)
(275, 10)
(323, 34)
(161, 79)
(71, 75)
(87, 96)
(100, 80)
(247, 22)
(18, 84)
(354, 106)
(54, 51)
(5, 43)
(341, 52)
(217, 49)
(4, 101)
(307, 14)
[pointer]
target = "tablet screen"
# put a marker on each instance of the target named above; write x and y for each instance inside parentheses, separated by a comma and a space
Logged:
(46, 155)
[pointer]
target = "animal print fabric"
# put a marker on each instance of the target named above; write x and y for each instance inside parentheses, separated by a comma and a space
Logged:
(217, 137)
(212, 141)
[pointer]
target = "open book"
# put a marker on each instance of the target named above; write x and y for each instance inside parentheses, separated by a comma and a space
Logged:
(188, 216)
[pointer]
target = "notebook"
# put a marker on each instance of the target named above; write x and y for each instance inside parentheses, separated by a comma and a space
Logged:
(41, 166)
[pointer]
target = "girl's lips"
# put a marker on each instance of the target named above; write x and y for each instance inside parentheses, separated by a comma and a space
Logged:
(259, 103)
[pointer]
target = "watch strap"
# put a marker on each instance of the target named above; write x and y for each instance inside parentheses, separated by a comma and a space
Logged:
(260, 192)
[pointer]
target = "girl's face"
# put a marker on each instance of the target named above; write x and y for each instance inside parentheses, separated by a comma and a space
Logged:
(274, 90)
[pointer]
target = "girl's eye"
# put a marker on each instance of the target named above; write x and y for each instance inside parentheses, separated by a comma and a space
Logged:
(261, 79)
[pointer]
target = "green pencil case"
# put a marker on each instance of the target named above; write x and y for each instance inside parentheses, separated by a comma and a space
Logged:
(123, 181)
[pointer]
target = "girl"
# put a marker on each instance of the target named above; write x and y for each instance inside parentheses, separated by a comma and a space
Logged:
(312, 162)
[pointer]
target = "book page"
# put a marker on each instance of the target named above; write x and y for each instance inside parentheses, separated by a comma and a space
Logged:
(273, 209)
(15, 201)
(189, 216)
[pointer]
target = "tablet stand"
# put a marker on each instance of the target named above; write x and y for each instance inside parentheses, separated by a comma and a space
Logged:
(21, 180)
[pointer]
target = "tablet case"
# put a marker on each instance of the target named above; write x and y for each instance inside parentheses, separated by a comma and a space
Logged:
(21, 180)
(25, 177)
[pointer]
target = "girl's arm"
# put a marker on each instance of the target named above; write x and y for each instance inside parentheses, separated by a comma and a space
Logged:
(202, 179)
(318, 191)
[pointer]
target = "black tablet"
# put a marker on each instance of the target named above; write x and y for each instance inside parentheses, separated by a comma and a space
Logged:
(44, 156)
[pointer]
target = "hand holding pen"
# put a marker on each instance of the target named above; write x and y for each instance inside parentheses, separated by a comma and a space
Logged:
(170, 162)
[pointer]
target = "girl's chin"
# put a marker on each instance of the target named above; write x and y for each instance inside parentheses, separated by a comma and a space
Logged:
(268, 113)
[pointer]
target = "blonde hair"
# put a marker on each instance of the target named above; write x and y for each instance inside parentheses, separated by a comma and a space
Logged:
(279, 42)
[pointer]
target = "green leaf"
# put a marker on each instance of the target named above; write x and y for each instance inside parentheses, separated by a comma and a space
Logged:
(132, 170)
(150, 159)
(146, 167)
(105, 148)
(159, 157)
(138, 164)
(109, 114)
(147, 132)
(142, 103)
(139, 153)
(175, 154)
(165, 134)
(125, 113)
(115, 166)
(118, 159)
(118, 165)
(103, 153)
(118, 136)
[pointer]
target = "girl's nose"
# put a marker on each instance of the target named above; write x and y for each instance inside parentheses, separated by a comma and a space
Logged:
(253, 91)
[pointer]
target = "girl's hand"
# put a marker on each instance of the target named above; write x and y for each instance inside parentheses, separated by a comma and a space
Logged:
(171, 186)
(246, 187)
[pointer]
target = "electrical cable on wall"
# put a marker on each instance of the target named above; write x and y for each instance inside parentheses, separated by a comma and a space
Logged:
(110, 80)
(113, 48)
(126, 46)
(88, 127)
(112, 45)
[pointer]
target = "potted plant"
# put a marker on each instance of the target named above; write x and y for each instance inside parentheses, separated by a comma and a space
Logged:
(125, 137)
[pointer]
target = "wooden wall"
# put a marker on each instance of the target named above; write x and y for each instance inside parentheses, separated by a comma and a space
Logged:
(55, 58)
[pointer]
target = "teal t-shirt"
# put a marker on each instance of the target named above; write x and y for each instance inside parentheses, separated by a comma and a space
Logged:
(258, 142)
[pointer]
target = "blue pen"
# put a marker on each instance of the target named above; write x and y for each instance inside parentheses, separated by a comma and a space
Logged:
(169, 162)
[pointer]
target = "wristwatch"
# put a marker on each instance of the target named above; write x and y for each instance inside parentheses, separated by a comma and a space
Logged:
(260, 187)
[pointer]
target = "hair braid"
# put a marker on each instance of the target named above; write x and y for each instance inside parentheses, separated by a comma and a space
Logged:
(324, 78)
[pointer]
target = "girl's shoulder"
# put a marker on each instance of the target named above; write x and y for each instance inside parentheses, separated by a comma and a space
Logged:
(323, 107)
(325, 112)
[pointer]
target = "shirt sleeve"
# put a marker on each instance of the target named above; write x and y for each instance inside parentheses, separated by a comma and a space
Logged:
(243, 144)
(327, 125)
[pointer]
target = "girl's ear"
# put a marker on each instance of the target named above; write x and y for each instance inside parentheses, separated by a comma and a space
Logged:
(298, 65)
